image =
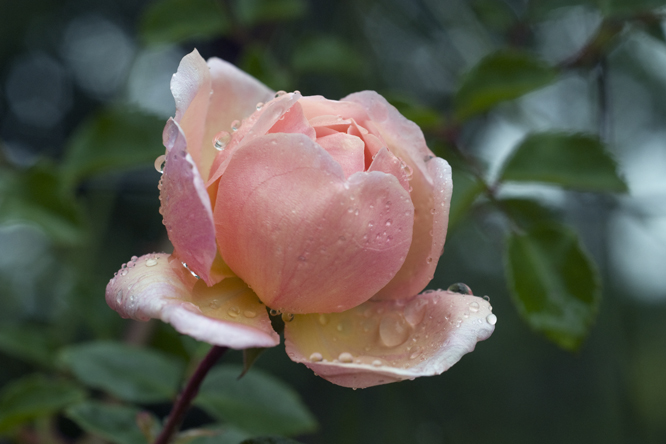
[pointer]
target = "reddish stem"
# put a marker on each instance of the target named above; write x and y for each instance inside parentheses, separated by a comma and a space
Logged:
(188, 394)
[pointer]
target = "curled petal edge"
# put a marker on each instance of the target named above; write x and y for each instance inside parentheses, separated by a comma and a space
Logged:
(380, 342)
(156, 286)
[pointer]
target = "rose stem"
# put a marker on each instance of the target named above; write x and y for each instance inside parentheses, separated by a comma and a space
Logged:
(188, 394)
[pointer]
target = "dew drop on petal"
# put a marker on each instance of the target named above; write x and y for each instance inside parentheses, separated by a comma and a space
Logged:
(274, 312)
(280, 94)
(491, 319)
(159, 163)
(316, 357)
(214, 304)
(323, 319)
(393, 330)
(460, 288)
(260, 105)
(151, 262)
(287, 317)
(235, 125)
(249, 314)
(377, 363)
(221, 140)
(233, 312)
(474, 307)
(346, 358)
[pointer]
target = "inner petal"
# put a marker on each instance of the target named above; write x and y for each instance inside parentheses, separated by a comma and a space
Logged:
(347, 150)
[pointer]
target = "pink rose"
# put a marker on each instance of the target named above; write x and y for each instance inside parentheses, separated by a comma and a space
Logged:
(333, 213)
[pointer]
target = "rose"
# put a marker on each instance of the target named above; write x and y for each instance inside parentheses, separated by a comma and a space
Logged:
(331, 212)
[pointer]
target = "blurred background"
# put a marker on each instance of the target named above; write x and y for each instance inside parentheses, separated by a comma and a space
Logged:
(84, 95)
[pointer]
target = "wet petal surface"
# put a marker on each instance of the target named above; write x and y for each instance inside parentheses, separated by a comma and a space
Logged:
(430, 179)
(302, 236)
(158, 286)
(185, 206)
(380, 342)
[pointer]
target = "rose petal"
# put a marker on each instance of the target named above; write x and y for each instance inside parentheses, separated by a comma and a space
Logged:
(431, 193)
(387, 163)
(347, 150)
(152, 287)
(185, 206)
(293, 121)
(326, 244)
(191, 86)
(258, 124)
(380, 342)
(235, 95)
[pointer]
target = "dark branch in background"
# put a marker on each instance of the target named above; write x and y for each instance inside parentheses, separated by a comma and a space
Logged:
(188, 394)
(604, 116)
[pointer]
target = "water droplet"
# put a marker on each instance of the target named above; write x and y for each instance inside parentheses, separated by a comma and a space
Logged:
(416, 353)
(123, 272)
(460, 288)
(340, 327)
(274, 312)
(433, 211)
(221, 140)
(389, 222)
(491, 319)
(316, 357)
(429, 260)
(377, 363)
(486, 298)
(151, 262)
(249, 314)
(160, 162)
(346, 358)
(214, 304)
(233, 312)
(393, 330)
(287, 317)
(474, 307)
(280, 94)
(235, 125)
(260, 105)
(134, 258)
(323, 319)
(415, 311)
(119, 296)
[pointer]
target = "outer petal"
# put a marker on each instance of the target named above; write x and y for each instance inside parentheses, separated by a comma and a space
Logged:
(191, 88)
(306, 239)
(235, 95)
(227, 314)
(431, 193)
(186, 206)
(387, 341)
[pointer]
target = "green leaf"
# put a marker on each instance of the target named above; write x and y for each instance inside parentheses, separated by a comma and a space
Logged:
(132, 374)
(570, 160)
(554, 283)
(501, 76)
(32, 343)
(173, 21)
(627, 8)
(270, 440)
(115, 423)
(33, 397)
(328, 55)
(115, 138)
(36, 196)
(250, 356)
(466, 188)
(254, 12)
(527, 212)
(223, 435)
(258, 403)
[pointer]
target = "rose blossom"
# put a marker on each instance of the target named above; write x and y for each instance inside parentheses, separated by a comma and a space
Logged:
(333, 213)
